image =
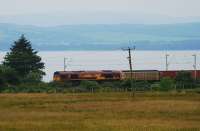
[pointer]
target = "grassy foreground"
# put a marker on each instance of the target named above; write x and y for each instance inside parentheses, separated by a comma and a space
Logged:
(99, 112)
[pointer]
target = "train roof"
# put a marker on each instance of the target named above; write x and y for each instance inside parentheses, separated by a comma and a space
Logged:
(140, 71)
(114, 71)
(98, 71)
(176, 70)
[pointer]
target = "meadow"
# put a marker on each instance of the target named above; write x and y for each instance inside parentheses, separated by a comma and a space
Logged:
(100, 112)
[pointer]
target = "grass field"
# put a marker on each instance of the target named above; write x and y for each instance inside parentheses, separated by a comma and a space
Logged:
(100, 112)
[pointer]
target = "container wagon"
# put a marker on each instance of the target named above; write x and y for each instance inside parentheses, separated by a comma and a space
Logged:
(146, 75)
(171, 74)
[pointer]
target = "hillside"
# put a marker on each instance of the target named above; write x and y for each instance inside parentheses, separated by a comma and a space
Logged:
(105, 37)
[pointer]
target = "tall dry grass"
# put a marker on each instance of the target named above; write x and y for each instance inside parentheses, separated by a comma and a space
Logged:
(100, 112)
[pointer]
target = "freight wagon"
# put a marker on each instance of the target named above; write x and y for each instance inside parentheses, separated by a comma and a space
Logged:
(146, 75)
(173, 74)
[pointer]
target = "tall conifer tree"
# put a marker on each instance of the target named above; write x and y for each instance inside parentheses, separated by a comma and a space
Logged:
(23, 58)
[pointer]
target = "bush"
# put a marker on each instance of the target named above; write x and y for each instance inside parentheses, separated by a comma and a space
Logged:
(65, 84)
(142, 85)
(107, 84)
(89, 85)
(126, 84)
(106, 89)
(155, 87)
(138, 85)
(166, 84)
(8, 76)
(111, 84)
(32, 88)
(27, 88)
(184, 80)
(33, 77)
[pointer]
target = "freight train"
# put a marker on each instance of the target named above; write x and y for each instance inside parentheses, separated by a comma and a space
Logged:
(114, 75)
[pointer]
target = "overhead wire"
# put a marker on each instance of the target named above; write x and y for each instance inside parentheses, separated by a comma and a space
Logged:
(117, 61)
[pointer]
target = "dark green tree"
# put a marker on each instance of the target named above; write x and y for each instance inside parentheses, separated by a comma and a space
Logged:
(23, 58)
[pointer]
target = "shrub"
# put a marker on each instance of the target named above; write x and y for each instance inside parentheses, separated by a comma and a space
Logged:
(105, 89)
(107, 84)
(142, 85)
(8, 76)
(184, 80)
(111, 84)
(155, 87)
(89, 85)
(27, 88)
(166, 84)
(65, 84)
(126, 84)
(33, 77)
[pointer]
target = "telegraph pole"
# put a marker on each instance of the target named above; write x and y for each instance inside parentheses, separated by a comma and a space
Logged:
(65, 59)
(130, 66)
(195, 66)
(166, 62)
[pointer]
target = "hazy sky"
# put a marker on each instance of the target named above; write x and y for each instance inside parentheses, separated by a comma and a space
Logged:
(169, 8)
(165, 7)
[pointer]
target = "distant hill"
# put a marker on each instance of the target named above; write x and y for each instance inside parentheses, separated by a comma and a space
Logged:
(105, 37)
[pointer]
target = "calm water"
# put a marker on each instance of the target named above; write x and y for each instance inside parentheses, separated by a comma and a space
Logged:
(110, 60)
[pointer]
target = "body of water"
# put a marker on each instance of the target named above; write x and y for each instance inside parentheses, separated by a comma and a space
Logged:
(115, 60)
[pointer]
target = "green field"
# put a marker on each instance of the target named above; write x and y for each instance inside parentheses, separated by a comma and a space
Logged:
(100, 112)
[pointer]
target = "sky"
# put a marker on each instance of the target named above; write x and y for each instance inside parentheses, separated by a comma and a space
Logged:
(38, 12)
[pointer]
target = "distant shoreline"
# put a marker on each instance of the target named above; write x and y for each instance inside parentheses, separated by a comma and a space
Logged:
(105, 37)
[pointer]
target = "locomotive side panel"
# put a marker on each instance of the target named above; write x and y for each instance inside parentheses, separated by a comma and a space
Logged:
(112, 75)
(88, 75)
